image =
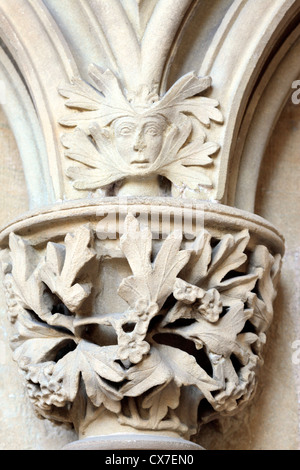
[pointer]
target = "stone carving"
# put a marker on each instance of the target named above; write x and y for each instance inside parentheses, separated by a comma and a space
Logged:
(186, 348)
(136, 333)
(129, 136)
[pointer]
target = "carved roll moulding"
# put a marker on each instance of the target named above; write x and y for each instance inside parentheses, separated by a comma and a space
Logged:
(144, 317)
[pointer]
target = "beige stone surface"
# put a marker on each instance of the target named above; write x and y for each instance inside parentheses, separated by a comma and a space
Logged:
(272, 419)
(13, 199)
(278, 200)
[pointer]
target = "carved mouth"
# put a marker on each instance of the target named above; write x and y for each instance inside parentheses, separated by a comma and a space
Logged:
(140, 165)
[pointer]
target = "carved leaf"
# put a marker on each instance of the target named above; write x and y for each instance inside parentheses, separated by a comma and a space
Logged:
(237, 288)
(107, 83)
(220, 337)
(261, 317)
(180, 310)
(149, 373)
(150, 281)
(186, 87)
(35, 341)
(168, 263)
(88, 179)
(263, 262)
(197, 267)
(227, 256)
(136, 244)
(173, 142)
(181, 164)
(186, 371)
(163, 364)
(112, 102)
(204, 109)
(159, 401)
(197, 153)
(81, 95)
(105, 166)
(81, 149)
(234, 384)
(95, 366)
(181, 99)
(63, 265)
(28, 288)
(267, 268)
(191, 177)
(207, 267)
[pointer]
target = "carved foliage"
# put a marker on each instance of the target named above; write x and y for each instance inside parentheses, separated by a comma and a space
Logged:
(123, 134)
(192, 333)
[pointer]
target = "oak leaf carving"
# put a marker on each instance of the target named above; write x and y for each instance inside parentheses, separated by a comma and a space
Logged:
(29, 291)
(102, 103)
(28, 288)
(152, 282)
(95, 366)
(160, 401)
(64, 264)
(211, 267)
(35, 341)
(221, 337)
(163, 364)
(102, 166)
(268, 269)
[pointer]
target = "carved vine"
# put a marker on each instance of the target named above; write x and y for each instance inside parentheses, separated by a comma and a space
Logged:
(186, 349)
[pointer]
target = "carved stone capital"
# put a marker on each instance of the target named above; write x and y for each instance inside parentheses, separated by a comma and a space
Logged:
(126, 321)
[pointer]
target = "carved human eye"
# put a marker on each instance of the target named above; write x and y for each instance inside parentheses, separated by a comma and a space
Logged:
(152, 130)
(125, 131)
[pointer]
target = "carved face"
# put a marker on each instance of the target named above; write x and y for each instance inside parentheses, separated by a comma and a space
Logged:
(139, 140)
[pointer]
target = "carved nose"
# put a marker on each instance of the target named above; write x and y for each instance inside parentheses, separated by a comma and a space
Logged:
(139, 144)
